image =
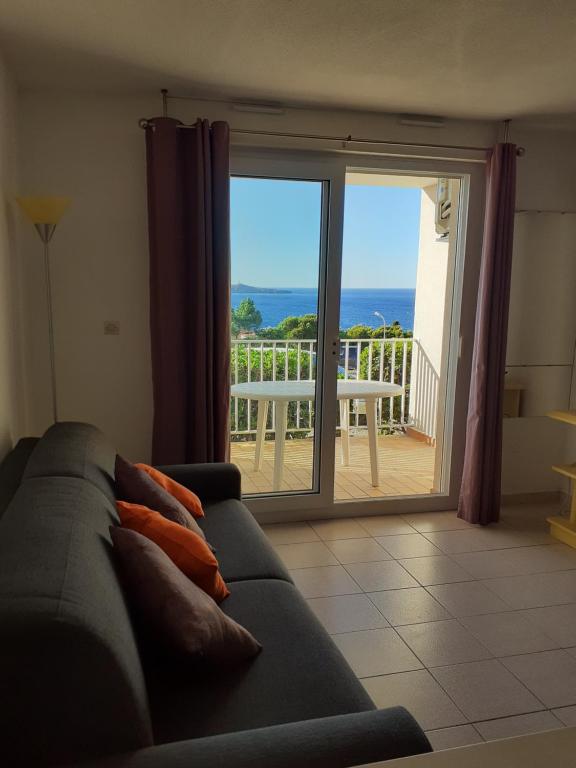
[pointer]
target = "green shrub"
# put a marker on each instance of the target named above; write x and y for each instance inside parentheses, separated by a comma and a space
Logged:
(373, 367)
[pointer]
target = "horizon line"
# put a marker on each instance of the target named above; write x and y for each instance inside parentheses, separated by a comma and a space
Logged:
(313, 287)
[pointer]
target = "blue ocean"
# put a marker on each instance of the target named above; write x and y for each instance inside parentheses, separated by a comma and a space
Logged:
(357, 305)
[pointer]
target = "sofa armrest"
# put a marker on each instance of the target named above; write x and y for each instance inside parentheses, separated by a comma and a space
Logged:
(329, 742)
(12, 468)
(211, 482)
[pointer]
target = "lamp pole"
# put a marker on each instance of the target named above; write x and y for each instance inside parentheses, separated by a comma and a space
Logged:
(381, 316)
(46, 231)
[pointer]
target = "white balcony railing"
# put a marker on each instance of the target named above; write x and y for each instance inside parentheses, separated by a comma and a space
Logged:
(386, 360)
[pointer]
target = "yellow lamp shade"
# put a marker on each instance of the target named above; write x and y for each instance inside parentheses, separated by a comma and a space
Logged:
(44, 210)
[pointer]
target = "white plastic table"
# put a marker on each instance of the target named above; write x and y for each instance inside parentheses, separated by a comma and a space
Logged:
(283, 392)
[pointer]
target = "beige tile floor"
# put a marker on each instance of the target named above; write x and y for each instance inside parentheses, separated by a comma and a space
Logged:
(473, 630)
(406, 467)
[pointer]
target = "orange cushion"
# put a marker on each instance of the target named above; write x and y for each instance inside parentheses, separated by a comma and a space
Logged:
(184, 495)
(184, 547)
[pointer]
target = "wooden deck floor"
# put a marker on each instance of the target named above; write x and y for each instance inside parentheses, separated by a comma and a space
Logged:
(406, 467)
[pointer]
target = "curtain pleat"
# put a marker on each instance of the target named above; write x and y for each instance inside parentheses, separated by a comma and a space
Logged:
(480, 492)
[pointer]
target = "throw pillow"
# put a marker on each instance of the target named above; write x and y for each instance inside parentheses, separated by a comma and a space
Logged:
(184, 495)
(184, 547)
(180, 612)
(137, 487)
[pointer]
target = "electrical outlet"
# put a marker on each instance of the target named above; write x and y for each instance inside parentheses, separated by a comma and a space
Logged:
(111, 327)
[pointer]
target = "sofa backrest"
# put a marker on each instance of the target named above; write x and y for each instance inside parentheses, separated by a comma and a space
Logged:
(70, 670)
(72, 449)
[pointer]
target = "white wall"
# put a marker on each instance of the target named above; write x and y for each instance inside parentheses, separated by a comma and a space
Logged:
(431, 276)
(91, 148)
(430, 281)
(94, 152)
(11, 417)
(542, 328)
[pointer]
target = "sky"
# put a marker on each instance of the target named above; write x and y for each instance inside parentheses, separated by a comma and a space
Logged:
(275, 231)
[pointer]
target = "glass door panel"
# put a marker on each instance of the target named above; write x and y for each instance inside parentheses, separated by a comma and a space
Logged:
(277, 243)
(398, 266)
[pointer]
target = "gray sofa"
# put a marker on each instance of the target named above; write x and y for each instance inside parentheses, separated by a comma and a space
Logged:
(77, 680)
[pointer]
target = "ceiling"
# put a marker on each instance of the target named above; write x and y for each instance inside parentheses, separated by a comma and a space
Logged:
(486, 59)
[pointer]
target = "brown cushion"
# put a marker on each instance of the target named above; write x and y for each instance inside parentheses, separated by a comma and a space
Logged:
(190, 553)
(184, 616)
(136, 486)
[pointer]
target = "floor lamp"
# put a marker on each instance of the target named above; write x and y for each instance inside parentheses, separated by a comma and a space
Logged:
(45, 213)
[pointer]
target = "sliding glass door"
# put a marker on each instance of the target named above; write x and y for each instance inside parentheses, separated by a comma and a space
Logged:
(349, 354)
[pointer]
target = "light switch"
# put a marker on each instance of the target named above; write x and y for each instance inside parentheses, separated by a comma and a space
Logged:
(111, 327)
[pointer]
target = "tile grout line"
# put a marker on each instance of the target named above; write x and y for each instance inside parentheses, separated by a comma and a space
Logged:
(464, 725)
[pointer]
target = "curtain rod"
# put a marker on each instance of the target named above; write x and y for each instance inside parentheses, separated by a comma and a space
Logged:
(344, 140)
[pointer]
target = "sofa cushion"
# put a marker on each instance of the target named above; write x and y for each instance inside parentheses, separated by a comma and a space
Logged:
(299, 674)
(65, 629)
(173, 610)
(138, 487)
(73, 449)
(12, 468)
(184, 495)
(242, 548)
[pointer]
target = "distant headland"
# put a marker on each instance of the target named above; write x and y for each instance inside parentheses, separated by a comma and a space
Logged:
(242, 288)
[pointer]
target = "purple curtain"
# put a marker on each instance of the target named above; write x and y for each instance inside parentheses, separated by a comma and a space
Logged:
(189, 232)
(481, 479)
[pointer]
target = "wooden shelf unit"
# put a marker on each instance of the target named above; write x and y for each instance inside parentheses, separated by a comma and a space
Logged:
(564, 529)
(568, 470)
(568, 417)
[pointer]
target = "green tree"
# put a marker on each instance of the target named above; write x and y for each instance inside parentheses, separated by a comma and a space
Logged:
(246, 317)
(394, 330)
(358, 332)
(302, 327)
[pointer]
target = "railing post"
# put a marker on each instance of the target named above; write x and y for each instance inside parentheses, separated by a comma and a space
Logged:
(311, 376)
(404, 367)
(236, 352)
(392, 372)
(369, 361)
(298, 372)
(358, 356)
(249, 375)
(274, 379)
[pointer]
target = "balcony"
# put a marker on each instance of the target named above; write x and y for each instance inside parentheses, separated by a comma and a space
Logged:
(405, 443)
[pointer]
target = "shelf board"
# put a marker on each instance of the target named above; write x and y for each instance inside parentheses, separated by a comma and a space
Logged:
(563, 530)
(569, 417)
(569, 470)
